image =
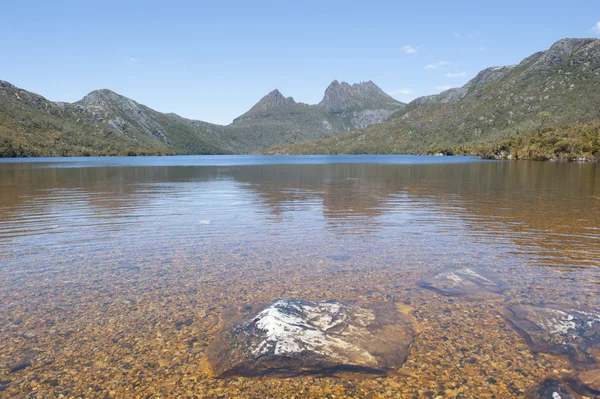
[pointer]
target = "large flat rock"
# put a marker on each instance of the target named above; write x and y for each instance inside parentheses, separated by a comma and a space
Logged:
(559, 329)
(295, 337)
(467, 283)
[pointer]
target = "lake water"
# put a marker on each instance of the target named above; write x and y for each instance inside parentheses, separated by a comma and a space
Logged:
(114, 271)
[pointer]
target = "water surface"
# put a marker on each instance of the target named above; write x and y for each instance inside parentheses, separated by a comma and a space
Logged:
(114, 271)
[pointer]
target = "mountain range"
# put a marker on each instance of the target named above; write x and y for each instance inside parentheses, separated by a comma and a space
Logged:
(106, 123)
(563, 82)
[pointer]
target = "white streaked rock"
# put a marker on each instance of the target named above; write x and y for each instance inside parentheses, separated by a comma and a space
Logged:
(570, 330)
(293, 337)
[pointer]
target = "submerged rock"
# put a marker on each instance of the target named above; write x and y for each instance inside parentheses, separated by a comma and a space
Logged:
(463, 282)
(341, 257)
(590, 379)
(22, 363)
(4, 385)
(551, 389)
(295, 337)
(558, 329)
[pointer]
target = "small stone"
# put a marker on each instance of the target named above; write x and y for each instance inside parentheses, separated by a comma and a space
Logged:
(22, 363)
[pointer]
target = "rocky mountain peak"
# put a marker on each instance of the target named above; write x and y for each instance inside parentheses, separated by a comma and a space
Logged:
(4, 83)
(274, 100)
(101, 98)
(570, 45)
(342, 96)
(566, 51)
(271, 102)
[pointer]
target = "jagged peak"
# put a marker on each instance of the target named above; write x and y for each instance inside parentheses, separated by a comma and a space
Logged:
(368, 84)
(344, 96)
(276, 99)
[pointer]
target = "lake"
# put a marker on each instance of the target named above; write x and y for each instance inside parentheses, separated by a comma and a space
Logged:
(114, 271)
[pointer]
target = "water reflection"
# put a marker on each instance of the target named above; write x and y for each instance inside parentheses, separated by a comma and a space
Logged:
(550, 211)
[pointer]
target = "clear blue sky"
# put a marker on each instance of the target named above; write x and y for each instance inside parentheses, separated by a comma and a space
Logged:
(213, 60)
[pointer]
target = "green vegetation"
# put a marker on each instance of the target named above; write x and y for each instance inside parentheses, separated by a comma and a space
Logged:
(544, 116)
(574, 143)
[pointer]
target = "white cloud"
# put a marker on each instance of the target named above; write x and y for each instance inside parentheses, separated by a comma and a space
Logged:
(131, 59)
(456, 74)
(436, 65)
(596, 28)
(481, 48)
(444, 87)
(404, 92)
(409, 49)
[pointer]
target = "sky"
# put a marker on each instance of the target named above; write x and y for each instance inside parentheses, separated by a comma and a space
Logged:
(212, 60)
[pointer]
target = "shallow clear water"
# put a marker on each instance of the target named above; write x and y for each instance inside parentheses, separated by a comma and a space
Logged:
(102, 258)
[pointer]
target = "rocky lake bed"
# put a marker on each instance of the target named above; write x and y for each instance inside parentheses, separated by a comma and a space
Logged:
(365, 283)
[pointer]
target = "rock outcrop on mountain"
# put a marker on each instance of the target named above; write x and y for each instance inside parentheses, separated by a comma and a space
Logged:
(364, 104)
(340, 97)
(498, 102)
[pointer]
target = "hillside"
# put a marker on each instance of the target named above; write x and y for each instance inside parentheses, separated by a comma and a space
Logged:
(106, 123)
(102, 123)
(499, 102)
